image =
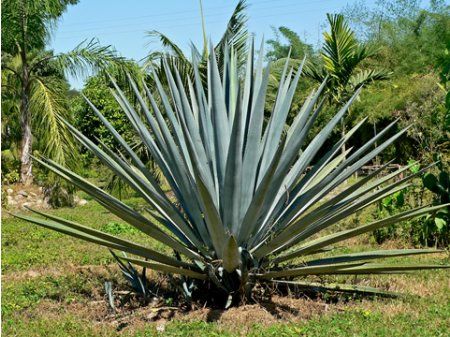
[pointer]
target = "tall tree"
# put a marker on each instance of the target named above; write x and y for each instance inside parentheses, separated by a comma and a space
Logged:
(38, 93)
(295, 46)
(235, 37)
(342, 58)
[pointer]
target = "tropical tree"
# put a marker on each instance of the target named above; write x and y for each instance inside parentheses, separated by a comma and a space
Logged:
(248, 207)
(295, 48)
(234, 37)
(287, 45)
(342, 58)
(34, 78)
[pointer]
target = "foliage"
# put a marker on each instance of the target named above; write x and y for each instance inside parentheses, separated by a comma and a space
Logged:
(444, 72)
(137, 281)
(235, 37)
(243, 195)
(429, 230)
(58, 195)
(34, 87)
(342, 57)
(98, 92)
(391, 205)
(342, 61)
(34, 18)
(411, 38)
(295, 47)
(47, 88)
(413, 44)
(414, 100)
(438, 225)
(11, 177)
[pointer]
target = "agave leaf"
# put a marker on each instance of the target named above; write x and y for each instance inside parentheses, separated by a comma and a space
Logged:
(299, 205)
(184, 187)
(219, 117)
(275, 221)
(346, 234)
(249, 222)
(309, 226)
(118, 208)
(309, 153)
(376, 254)
(166, 269)
(154, 197)
(103, 239)
(310, 270)
(134, 157)
(338, 287)
(387, 269)
(253, 143)
(213, 221)
(277, 122)
(231, 256)
(299, 122)
(233, 180)
(308, 199)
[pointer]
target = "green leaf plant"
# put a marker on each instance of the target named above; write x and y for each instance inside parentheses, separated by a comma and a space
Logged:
(251, 202)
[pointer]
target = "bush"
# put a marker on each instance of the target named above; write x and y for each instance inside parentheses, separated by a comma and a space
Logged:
(430, 230)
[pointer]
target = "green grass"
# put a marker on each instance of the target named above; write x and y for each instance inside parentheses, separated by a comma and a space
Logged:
(50, 282)
(27, 246)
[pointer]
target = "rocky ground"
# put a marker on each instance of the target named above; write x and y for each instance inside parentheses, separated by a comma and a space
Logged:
(18, 196)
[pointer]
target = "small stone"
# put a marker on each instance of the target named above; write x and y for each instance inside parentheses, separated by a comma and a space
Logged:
(9, 191)
(40, 189)
(152, 316)
(27, 204)
(32, 274)
(161, 327)
(82, 202)
(38, 202)
(11, 201)
(18, 197)
(22, 193)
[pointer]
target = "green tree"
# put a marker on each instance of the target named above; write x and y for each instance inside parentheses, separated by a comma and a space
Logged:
(97, 90)
(35, 84)
(342, 63)
(172, 56)
(294, 46)
(413, 42)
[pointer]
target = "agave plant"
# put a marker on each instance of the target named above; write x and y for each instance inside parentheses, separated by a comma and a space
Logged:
(250, 201)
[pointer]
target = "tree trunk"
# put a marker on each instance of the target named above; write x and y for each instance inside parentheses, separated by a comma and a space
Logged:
(26, 175)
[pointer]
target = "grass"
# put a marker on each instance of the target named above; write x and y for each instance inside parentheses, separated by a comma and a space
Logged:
(53, 286)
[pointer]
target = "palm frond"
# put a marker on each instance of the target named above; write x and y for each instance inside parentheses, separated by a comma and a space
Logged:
(89, 56)
(47, 104)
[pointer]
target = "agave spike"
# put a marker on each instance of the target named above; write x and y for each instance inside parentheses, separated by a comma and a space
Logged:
(245, 201)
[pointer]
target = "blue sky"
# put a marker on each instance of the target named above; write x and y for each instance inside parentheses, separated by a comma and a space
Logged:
(123, 24)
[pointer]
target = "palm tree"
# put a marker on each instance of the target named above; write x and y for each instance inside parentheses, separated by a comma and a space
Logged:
(341, 61)
(34, 78)
(235, 37)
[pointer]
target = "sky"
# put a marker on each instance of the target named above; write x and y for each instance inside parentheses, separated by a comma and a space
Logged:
(123, 24)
